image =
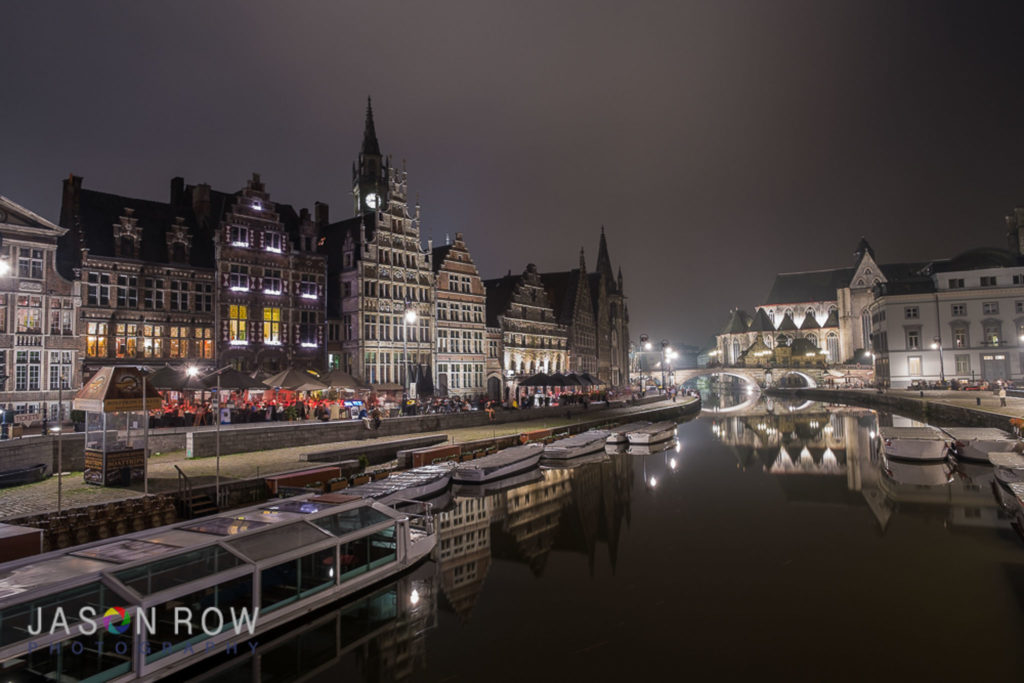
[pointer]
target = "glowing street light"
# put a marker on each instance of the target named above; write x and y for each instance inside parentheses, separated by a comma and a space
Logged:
(409, 319)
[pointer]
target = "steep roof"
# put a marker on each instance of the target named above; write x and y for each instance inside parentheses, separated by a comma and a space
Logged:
(438, 256)
(761, 322)
(787, 324)
(100, 211)
(833, 319)
(815, 285)
(561, 289)
(499, 295)
(977, 259)
(739, 322)
(809, 323)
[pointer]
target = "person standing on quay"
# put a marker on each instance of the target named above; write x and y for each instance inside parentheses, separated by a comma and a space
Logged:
(1002, 397)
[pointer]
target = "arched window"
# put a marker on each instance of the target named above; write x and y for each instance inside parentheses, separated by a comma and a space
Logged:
(865, 329)
(735, 356)
(771, 316)
(811, 337)
(809, 313)
(832, 346)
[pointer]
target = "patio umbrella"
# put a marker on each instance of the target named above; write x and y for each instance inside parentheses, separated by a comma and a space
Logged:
(573, 380)
(339, 379)
(538, 380)
(170, 378)
(294, 380)
(593, 380)
(557, 380)
(233, 380)
(580, 379)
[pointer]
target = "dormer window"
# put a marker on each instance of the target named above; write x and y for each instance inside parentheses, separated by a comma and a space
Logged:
(179, 242)
(257, 206)
(273, 241)
(127, 235)
(238, 236)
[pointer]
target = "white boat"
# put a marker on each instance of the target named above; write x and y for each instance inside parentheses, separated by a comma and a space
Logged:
(617, 434)
(415, 484)
(504, 463)
(976, 443)
(914, 444)
(248, 559)
(592, 459)
(489, 488)
(576, 445)
(652, 433)
(652, 448)
(1013, 461)
(919, 473)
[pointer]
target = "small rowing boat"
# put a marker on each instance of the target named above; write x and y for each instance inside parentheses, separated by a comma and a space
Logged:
(577, 445)
(652, 433)
(618, 434)
(504, 463)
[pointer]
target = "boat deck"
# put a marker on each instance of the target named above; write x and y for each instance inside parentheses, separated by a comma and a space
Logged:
(917, 433)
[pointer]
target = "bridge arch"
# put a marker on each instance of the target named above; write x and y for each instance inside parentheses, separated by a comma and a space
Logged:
(811, 383)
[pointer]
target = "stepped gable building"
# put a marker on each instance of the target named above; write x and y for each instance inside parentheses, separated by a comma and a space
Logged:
(208, 278)
(532, 338)
(147, 276)
(40, 344)
(572, 302)
(377, 271)
(612, 319)
(460, 357)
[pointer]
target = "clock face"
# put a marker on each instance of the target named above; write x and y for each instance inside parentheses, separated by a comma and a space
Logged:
(372, 200)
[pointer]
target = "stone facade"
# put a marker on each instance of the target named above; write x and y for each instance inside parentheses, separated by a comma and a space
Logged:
(572, 302)
(532, 339)
(40, 344)
(271, 286)
(377, 271)
(460, 354)
(612, 319)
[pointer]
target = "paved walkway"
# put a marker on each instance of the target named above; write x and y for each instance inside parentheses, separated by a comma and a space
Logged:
(989, 402)
(41, 497)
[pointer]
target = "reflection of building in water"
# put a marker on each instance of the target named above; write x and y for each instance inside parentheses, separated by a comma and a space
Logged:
(379, 637)
(464, 551)
(529, 518)
(838, 447)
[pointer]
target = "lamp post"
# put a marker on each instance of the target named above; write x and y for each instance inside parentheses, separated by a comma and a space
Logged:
(937, 344)
(665, 351)
(192, 371)
(60, 442)
(408, 319)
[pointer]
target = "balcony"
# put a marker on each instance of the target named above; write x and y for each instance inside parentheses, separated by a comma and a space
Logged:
(28, 340)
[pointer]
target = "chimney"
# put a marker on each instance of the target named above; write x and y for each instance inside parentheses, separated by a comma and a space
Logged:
(177, 191)
(320, 212)
(201, 202)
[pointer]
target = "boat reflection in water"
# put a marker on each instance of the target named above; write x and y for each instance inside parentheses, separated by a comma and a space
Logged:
(833, 454)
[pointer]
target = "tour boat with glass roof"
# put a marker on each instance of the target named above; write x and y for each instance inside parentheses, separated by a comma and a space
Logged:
(504, 463)
(577, 445)
(652, 433)
(153, 602)
(415, 484)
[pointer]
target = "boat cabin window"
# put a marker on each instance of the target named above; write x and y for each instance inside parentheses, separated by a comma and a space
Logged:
(15, 620)
(295, 579)
(366, 553)
(351, 520)
(174, 571)
(278, 541)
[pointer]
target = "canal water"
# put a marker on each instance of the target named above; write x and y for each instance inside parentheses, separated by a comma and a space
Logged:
(770, 541)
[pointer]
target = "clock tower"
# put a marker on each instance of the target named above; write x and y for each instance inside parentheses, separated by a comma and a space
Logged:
(370, 175)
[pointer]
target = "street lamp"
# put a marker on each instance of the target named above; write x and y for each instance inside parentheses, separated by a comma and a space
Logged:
(409, 319)
(937, 344)
(192, 371)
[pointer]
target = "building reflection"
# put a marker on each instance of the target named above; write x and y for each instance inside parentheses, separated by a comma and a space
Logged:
(830, 455)
(574, 509)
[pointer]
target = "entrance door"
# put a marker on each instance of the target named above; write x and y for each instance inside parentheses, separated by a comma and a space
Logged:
(494, 389)
(994, 366)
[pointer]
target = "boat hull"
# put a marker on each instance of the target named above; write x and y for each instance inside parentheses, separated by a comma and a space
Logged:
(476, 475)
(662, 431)
(556, 452)
(27, 475)
(916, 450)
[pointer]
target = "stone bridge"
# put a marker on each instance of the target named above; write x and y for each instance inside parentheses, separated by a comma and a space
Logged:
(760, 377)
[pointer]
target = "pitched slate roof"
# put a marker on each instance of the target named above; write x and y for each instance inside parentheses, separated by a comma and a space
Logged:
(561, 289)
(809, 323)
(976, 259)
(787, 324)
(499, 295)
(438, 256)
(816, 285)
(833, 319)
(761, 322)
(739, 322)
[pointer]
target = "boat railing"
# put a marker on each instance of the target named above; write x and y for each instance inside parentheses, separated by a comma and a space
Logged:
(184, 493)
(420, 513)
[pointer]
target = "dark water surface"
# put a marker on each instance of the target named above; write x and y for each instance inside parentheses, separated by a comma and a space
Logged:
(771, 545)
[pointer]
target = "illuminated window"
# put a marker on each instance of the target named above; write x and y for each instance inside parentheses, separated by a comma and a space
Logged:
(272, 326)
(30, 314)
(273, 241)
(203, 343)
(125, 340)
(61, 316)
(914, 365)
(307, 289)
(30, 263)
(153, 341)
(178, 347)
(238, 236)
(238, 320)
(238, 278)
(96, 340)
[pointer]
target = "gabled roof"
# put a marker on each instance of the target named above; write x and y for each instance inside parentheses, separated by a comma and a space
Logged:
(761, 322)
(20, 217)
(561, 289)
(810, 323)
(816, 285)
(439, 255)
(739, 322)
(787, 324)
(833, 319)
(977, 259)
(499, 295)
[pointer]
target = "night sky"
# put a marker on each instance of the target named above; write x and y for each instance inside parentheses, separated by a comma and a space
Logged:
(718, 142)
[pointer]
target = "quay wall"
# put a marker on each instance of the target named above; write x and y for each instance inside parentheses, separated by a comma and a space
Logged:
(923, 409)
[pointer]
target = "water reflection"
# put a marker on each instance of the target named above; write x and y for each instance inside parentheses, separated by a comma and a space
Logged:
(799, 442)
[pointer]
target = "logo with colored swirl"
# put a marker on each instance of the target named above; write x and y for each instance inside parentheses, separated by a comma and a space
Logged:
(117, 620)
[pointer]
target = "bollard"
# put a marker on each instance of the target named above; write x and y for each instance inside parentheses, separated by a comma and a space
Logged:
(921, 394)
(978, 400)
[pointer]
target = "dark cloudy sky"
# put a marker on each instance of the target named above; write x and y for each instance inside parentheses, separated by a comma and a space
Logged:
(719, 142)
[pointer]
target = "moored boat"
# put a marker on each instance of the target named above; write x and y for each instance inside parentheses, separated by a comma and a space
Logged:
(575, 446)
(504, 463)
(914, 444)
(260, 568)
(489, 488)
(652, 433)
(618, 433)
(919, 473)
(976, 443)
(592, 459)
(652, 448)
(24, 475)
(415, 484)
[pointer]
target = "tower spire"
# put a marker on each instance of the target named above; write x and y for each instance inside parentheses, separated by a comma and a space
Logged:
(370, 145)
(604, 262)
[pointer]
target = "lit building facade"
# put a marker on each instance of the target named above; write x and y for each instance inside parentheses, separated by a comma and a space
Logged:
(40, 345)
(380, 280)
(572, 302)
(460, 355)
(611, 317)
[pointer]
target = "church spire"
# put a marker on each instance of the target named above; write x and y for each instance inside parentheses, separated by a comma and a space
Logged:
(604, 262)
(370, 145)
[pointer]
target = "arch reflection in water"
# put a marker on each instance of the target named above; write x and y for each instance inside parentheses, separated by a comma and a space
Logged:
(821, 453)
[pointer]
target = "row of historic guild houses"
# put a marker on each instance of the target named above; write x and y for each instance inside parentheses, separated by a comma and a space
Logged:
(948, 319)
(212, 278)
